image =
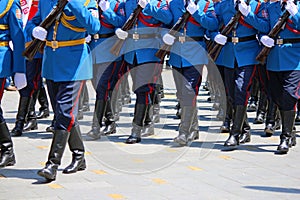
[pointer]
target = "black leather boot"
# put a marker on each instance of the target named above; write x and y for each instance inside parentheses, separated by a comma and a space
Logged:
(137, 123)
(156, 106)
(297, 120)
(246, 133)
(194, 132)
(287, 118)
(262, 109)
(51, 127)
(178, 112)
(271, 119)
(7, 157)
(148, 128)
(59, 141)
(43, 101)
(252, 103)
(85, 99)
(31, 121)
(225, 128)
(23, 108)
(186, 121)
(239, 118)
(77, 148)
(100, 107)
(110, 124)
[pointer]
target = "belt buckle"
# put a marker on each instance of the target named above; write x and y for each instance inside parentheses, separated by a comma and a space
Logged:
(96, 37)
(181, 39)
(54, 45)
(234, 40)
(279, 41)
(136, 36)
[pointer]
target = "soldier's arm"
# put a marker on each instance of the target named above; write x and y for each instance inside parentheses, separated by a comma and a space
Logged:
(84, 15)
(115, 18)
(161, 13)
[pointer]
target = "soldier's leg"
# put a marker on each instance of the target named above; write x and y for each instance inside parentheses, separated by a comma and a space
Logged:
(244, 76)
(32, 67)
(7, 157)
(43, 101)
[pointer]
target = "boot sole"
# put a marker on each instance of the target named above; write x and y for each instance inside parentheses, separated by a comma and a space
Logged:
(31, 128)
(11, 163)
(46, 176)
(74, 171)
(44, 116)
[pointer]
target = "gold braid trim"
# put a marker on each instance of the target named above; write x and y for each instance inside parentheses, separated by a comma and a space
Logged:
(9, 4)
(4, 27)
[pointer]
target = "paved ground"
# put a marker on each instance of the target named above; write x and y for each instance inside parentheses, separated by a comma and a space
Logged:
(156, 168)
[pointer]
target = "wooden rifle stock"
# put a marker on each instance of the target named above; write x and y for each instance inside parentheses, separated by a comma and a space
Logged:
(116, 48)
(215, 51)
(165, 49)
(37, 44)
(261, 57)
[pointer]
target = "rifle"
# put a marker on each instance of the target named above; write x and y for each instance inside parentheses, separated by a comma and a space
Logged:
(37, 44)
(215, 51)
(261, 57)
(116, 48)
(165, 49)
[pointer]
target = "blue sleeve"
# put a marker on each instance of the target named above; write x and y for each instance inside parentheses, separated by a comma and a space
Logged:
(118, 18)
(296, 18)
(17, 37)
(207, 18)
(161, 13)
(84, 15)
(260, 20)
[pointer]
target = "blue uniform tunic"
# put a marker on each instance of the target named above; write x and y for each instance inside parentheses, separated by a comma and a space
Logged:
(284, 57)
(11, 29)
(191, 53)
(257, 21)
(72, 62)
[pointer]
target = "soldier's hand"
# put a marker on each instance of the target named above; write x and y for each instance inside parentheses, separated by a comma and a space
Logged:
(121, 34)
(220, 39)
(39, 33)
(267, 41)
(20, 80)
(143, 3)
(192, 7)
(104, 5)
(244, 8)
(291, 7)
(168, 39)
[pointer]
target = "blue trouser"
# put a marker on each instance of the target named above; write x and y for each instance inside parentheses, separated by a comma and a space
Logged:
(187, 82)
(33, 76)
(285, 88)
(2, 86)
(105, 78)
(64, 97)
(144, 77)
(237, 84)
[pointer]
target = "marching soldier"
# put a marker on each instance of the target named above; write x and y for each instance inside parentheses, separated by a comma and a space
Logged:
(187, 58)
(66, 66)
(11, 28)
(140, 48)
(28, 95)
(239, 53)
(283, 65)
(106, 66)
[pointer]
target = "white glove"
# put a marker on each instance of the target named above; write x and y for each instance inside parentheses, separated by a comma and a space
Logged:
(267, 41)
(220, 39)
(104, 5)
(168, 39)
(291, 7)
(88, 38)
(121, 34)
(39, 33)
(20, 80)
(192, 7)
(244, 8)
(143, 3)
